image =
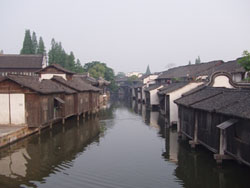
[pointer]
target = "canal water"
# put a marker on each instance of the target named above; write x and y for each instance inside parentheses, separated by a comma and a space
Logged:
(125, 146)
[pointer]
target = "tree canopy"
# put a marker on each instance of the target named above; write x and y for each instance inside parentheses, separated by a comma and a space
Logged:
(41, 47)
(98, 69)
(30, 45)
(148, 71)
(27, 44)
(198, 60)
(245, 60)
(58, 55)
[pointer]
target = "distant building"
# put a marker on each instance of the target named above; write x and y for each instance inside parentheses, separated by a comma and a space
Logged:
(21, 64)
(138, 74)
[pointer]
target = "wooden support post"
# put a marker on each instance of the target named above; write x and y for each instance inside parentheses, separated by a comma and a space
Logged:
(78, 117)
(63, 129)
(63, 121)
(223, 144)
(194, 142)
(50, 125)
(39, 130)
(179, 127)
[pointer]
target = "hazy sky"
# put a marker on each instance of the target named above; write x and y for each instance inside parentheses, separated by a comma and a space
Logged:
(128, 35)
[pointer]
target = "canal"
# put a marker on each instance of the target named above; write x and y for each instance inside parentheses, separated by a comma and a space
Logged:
(124, 146)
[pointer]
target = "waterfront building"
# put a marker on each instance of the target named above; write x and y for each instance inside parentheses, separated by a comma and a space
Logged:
(21, 64)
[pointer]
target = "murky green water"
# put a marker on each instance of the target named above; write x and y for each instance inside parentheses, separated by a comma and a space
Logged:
(124, 147)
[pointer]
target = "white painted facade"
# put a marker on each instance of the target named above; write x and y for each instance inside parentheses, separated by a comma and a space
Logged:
(4, 109)
(150, 79)
(222, 81)
(154, 99)
(138, 74)
(237, 77)
(173, 108)
(49, 76)
(12, 109)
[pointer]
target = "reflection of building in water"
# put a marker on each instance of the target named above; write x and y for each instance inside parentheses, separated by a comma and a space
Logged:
(140, 108)
(154, 119)
(41, 156)
(14, 164)
(173, 146)
(143, 114)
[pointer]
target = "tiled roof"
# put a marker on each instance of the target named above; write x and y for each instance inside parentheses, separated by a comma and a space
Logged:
(189, 70)
(172, 87)
(233, 102)
(43, 87)
(152, 87)
(76, 83)
(10, 61)
(58, 67)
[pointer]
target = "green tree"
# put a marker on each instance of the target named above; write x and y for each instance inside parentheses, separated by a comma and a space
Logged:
(120, 75)
(78, 67)
(27, 44)
(34, 43)
(98, 69)
(57, 54)
(70, 62)
(198, 60)
(41, 47)
(148, 72)
(245, 60)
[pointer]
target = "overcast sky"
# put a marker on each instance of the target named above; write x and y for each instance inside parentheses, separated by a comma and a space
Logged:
(128, 35)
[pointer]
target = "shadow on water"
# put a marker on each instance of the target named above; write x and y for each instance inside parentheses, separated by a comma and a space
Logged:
(195, 167)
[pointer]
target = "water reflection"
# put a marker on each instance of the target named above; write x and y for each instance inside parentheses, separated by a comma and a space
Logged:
(133, 150)
(54, 150)
(195, 168)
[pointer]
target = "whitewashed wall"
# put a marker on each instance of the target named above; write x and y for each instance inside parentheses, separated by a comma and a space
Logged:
(222, 81)
(154, 99)
(173, 113)
(4, 109)
(49, 76)
(17, 106)
(237, 77)
(12, 109)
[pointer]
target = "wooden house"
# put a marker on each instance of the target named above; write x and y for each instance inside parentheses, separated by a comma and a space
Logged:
(168, 94)
(55, 70)
(87, 95)
(21, 64)
(138, 91)
(26, 100)
(218, 119)
(152, 99)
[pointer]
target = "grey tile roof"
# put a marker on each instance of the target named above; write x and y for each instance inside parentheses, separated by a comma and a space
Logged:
(43, 87)
(13, 61)
(76, 83)
(232, 102)
(172, 87)
(189, 70)
(58, 67)
(152, 87)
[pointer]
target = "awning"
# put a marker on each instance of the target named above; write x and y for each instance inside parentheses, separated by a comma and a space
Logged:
(59, 100)
(227, 124)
